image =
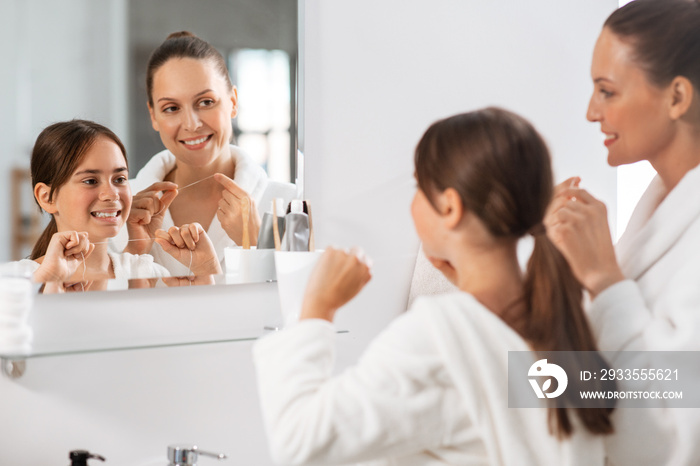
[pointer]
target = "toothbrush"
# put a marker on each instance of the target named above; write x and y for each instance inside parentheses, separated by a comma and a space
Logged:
(275, 227)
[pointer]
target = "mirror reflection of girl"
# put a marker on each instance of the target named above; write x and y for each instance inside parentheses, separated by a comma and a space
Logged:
(433, 387)
(645, 293)
(80, 177)
(191, 102)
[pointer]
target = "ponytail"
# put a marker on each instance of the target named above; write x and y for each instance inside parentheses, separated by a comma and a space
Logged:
(42, 243)
(555, 321)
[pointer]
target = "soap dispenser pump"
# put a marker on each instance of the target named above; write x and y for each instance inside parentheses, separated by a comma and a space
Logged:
(80, 457)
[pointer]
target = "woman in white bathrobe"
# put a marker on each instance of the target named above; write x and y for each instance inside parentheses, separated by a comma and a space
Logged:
(645, 291)
(191, 102)
(433, 387)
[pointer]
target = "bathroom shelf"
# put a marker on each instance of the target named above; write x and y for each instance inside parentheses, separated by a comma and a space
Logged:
(48, 352)
(13, 365)
(99, 322)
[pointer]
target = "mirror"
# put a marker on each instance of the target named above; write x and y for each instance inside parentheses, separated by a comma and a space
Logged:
(85, 59)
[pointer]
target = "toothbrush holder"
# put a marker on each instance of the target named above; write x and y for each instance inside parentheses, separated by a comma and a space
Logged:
(249, 265)
(293, 271)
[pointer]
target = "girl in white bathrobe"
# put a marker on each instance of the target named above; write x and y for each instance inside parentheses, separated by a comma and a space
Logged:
(432, 389)
(645, 291)
(80, 178)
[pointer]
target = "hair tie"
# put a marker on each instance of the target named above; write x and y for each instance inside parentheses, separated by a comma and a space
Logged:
(538, 230)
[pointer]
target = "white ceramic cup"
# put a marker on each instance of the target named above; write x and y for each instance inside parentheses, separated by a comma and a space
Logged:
(249, 265)
(293, 271)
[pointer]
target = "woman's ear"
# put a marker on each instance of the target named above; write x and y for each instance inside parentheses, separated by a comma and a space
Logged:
(234, 100)
(450, 207)
(154, 123)
(41, 193)
(682, 91)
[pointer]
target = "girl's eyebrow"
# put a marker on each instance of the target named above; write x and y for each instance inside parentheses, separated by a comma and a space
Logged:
(89, 171)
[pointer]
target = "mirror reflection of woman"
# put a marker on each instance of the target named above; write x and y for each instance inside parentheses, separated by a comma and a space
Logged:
(80, 177)
(645, 293)
(191, 102)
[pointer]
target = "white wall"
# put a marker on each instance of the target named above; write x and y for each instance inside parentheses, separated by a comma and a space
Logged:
(50, 47)
(381, 72)
(9, 125)
(378, 72)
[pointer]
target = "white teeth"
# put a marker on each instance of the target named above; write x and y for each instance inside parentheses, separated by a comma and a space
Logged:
(196, 141)
(105, 214)
(609, 136)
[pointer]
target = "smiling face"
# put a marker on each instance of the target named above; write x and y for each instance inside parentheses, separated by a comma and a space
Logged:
(633, 113)
(192, 110)
(96, 198)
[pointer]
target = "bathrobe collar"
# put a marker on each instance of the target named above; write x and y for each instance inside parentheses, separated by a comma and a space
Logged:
(658, 222)
(248, 175)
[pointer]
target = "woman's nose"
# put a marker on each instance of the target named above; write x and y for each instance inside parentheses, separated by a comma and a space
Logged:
(191, 120)
(593, 111)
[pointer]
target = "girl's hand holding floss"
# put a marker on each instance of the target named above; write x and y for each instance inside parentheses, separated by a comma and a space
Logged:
(338, 277)
(190, 245)
(65, 257)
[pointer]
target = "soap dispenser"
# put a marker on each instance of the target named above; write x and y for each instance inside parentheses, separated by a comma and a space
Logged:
(80, 457)
(186, 455)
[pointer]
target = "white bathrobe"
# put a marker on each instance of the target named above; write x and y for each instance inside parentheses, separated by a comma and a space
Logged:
(656, 309)
(248, 175)
(432, 389)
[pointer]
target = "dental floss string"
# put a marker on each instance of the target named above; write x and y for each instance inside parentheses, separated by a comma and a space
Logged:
(129, 240)
(192, 184)
(84, 270)
(185, 187)
(189, 268)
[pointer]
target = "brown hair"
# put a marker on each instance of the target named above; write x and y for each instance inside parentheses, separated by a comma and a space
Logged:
(665, 36)
(58, 151)
(501, 168)
(183, 44)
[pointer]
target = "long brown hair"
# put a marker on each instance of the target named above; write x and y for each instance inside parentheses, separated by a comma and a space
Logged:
(501, 168)
(665, 37)
(58, 151)
(183, 44)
